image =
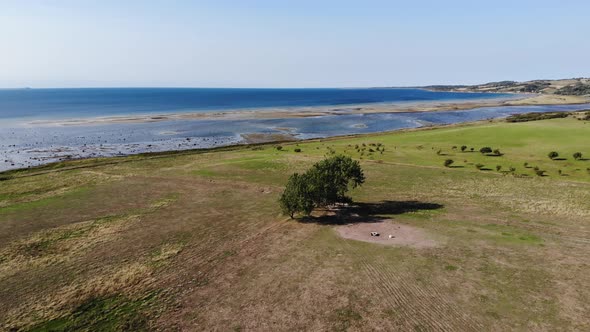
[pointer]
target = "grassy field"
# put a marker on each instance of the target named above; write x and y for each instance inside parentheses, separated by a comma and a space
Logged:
(196, 241)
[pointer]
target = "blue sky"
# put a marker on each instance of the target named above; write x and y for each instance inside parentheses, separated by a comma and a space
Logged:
(259, 43)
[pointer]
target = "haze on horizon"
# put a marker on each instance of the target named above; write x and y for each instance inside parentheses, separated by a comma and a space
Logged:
(265, 43)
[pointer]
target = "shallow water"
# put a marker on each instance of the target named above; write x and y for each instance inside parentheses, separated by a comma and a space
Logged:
(22, 146)
(31, 104)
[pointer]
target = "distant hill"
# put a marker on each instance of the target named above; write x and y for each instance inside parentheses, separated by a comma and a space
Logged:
(571, 87)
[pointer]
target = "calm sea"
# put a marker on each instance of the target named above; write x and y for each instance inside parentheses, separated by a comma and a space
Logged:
(82, 103)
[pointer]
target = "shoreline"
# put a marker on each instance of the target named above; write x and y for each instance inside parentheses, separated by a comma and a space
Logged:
(249, 141)
(317, 111)
(29, 146)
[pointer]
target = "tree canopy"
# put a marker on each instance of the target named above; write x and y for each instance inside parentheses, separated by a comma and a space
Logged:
(325, 183)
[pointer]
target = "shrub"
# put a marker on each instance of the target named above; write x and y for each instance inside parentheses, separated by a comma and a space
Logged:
(497, 152)
(479, 166)
(485, 149)
(526, 165)
(448, 162)
(512, 169)
(463, 148)
(297, 150)
(498, 167)
(553, 154)
(559, 172)
(472, 149)
(539, 172)
(279, 148)
(577, 155)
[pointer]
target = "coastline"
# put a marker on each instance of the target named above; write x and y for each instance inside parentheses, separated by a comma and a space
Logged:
(254, 141)
(316, 111)
(44, 142)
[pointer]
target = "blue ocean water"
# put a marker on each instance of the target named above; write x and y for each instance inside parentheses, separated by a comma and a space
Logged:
(83, 103)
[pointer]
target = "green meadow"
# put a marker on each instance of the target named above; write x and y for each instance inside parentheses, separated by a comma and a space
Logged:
(195, 240)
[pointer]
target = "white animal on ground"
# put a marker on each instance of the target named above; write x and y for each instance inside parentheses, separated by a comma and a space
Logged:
(390, 236)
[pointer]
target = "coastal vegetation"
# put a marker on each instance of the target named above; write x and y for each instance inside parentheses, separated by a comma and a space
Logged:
(577, 89)
(195, 240)
(535, 116)
(570, 87)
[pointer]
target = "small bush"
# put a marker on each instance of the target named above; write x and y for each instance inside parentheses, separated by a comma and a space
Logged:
(279, 148)
(512, 169)
(526, 165)
(448, 162)
(552, 155)
(540, 172)
(578, 155)
(463, 148)
(485, 149)
(497, 152)
(479, 166)
(498, 168)
(297, 150)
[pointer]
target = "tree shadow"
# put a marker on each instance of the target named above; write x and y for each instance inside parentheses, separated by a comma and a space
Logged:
(559, 159)
(456, 166)
(368, 212)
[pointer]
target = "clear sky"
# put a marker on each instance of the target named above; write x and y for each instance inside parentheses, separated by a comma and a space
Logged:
(297, 43)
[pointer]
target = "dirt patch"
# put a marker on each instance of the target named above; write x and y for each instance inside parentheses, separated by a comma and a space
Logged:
(402, 235)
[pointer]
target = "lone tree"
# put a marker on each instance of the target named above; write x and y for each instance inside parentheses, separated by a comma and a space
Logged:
(485, 149)
(448, 162)
(325, 183)
(553, 155)
(463, 148)
(578, 155)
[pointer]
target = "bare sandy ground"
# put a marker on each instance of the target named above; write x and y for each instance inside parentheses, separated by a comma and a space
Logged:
(402, 235)
(301, 112)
